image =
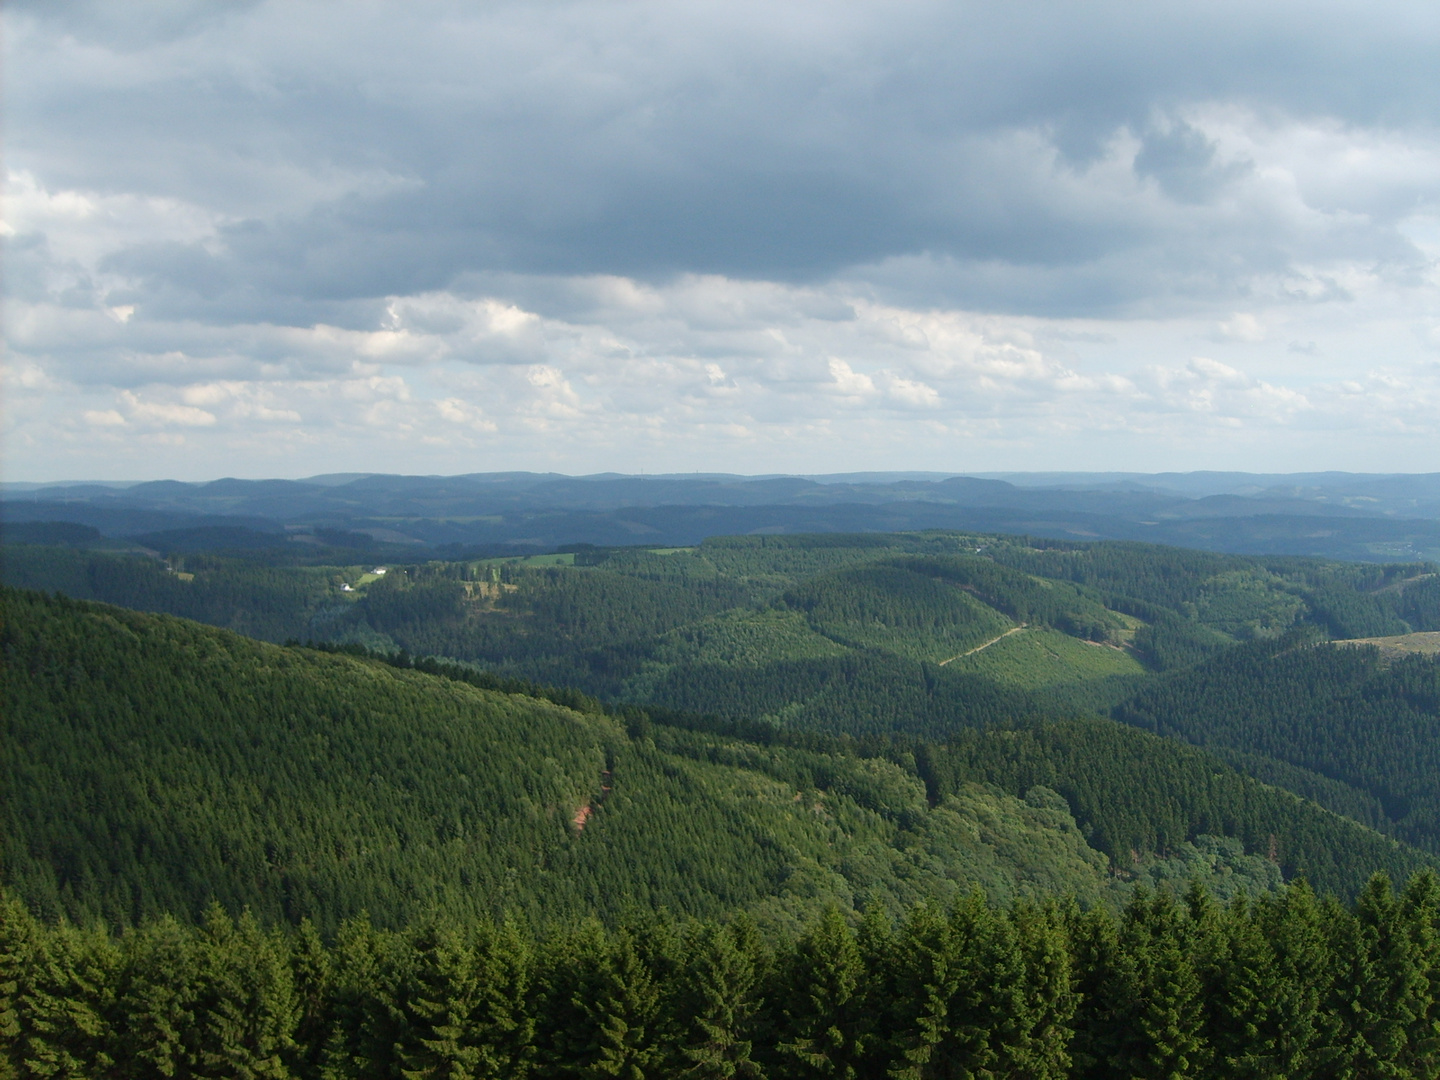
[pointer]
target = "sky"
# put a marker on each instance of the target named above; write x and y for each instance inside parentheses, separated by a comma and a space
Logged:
(288, 238)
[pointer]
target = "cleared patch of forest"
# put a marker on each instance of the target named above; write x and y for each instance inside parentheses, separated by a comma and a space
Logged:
(1426, 643)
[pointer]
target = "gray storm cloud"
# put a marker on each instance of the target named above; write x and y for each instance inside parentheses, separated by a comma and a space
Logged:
(359, 151)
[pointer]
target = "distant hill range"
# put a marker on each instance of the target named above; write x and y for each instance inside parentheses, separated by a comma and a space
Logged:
(1370, 517)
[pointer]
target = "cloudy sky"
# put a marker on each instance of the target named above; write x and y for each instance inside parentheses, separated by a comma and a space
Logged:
(284, 238)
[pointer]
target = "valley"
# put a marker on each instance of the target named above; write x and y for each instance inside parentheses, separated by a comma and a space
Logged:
(790, 739)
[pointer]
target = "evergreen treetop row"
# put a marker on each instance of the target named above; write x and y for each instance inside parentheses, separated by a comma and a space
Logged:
(1283, 986)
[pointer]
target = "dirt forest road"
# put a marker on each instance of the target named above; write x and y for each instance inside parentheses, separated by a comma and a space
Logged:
(986, 645)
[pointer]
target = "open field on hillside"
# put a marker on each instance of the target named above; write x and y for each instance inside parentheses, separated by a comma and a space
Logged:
(1037, 657)
(1427, 643)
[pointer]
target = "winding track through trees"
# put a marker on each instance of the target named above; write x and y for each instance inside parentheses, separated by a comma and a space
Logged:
(986, 645)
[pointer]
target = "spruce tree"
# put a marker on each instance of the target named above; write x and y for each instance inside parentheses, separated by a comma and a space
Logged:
(64, 1003)
(312, 976)
(919, 990)
(560, 994)
(248, 1010)
(504, 1025)
(826, 1029)
(18, 947)
(160, 1000)
(1040, 1029)
(1380, 992)
(625, 1010)
(598, 1004)
(1420, 916)
(1100, 979)
(464, 1001)
(1243, 994)
(1266, 1017)
(1158, 997)
(439, 998)
(718, 997)
(367, 1020)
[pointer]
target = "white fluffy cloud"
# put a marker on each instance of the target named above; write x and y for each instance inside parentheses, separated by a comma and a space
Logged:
(276, 239)
(754, 374)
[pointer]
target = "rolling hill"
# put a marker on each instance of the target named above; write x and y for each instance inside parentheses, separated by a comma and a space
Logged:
(878, 769)
(154, 764)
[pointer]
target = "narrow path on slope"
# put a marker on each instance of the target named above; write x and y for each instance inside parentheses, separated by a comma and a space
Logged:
(977, 648)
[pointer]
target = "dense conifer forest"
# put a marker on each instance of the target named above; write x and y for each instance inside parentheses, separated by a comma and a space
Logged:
(930, 804)
(1285, 986)
(154, 766)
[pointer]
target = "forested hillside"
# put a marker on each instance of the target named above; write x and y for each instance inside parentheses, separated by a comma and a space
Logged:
(1365, 726)
(156, 765)
(606, 617)
(247, 596)
(940, 637)
(774, 807)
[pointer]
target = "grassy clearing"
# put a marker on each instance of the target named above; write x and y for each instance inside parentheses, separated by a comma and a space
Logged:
(566, 558)
(1427, 643)
(917, 643)
(901, 613)
(1128, 625)
(1036, 658)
